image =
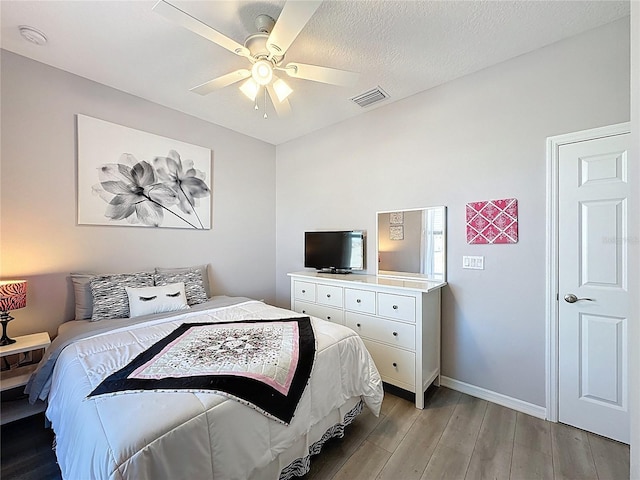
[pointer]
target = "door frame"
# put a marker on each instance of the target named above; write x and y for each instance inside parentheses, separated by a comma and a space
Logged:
(552, 254)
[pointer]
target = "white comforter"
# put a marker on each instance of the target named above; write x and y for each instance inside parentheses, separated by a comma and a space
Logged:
(180, 435)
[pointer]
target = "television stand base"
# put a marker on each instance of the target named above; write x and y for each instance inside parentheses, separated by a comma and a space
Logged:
(340, 271)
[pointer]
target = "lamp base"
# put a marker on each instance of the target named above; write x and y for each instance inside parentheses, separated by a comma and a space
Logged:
(5, 340)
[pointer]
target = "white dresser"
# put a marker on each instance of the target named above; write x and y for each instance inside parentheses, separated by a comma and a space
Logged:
(398, 320)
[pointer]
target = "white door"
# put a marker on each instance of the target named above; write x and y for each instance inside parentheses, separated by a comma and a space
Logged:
(593, 303)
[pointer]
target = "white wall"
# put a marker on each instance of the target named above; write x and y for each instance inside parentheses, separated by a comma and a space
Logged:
(40, 238)
(478, 138)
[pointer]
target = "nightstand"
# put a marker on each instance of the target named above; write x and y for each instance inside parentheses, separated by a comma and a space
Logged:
(18, 377)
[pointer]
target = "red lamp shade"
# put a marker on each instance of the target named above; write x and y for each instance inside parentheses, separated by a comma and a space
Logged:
(13, 295)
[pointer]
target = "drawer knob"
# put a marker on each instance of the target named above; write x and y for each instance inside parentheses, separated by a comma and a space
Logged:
(395, 334)
(328, 295)
(358, 301)
(358, 325)
(395, 365)
(328, 317)
(395, 307)
(304, 311)
(304, 291)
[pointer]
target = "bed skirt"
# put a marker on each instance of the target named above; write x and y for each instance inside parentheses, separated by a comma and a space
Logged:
(295, 461)
(301, 466)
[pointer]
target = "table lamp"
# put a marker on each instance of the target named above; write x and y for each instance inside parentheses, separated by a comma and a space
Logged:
(13, 295)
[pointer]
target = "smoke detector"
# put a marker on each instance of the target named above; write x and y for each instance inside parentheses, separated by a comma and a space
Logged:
(32, 35)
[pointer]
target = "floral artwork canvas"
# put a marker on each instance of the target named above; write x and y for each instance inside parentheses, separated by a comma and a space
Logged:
(129, 177)
(492, 221)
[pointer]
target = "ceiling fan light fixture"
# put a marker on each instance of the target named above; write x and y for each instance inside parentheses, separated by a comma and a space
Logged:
(262, 72)
(265, 50)
(250, 89)
(282, 89)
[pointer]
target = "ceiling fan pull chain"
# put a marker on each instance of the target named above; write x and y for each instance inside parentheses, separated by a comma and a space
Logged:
(265, 103)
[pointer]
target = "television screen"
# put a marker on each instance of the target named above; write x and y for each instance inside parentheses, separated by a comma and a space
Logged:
(341, 251)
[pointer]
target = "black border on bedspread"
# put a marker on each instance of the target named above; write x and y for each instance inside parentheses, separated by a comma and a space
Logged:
(256, 393)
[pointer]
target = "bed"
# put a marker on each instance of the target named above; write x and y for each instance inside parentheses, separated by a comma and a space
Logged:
(193, 433)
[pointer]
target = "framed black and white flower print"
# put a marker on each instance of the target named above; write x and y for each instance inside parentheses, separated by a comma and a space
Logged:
(129, 177)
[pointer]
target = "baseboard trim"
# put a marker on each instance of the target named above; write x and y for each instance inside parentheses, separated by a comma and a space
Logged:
(500, 399)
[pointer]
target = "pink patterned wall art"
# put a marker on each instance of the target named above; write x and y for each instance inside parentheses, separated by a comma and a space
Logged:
(492, 221)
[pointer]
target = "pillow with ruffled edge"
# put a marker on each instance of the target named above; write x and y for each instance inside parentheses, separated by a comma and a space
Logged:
(203, 269)
(148, 300)
(193, 284)
(110, 298)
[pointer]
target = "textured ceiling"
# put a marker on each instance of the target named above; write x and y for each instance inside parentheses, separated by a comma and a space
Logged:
(403, 46)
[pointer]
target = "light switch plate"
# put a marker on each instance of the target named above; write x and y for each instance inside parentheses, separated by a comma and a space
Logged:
(473, 262)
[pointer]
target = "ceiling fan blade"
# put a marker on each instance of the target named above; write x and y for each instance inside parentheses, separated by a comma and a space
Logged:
(292, 19)
(221, 82)
(282, 108)
(185, 20)
(315, 73)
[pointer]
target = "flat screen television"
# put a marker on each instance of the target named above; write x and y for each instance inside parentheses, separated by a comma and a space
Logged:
(335, 252)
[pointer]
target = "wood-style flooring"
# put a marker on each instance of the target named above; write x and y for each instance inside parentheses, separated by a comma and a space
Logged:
(26, 451)
(456, 436)
(461, 437)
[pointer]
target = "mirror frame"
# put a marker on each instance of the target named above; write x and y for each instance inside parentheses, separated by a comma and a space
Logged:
(412, 275)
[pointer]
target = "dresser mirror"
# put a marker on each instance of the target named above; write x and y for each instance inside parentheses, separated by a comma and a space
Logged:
(412, 243)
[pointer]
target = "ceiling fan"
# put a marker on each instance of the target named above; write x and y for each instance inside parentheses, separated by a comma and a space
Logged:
(265, 50)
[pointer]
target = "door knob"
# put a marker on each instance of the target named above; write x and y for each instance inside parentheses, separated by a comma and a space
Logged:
(571, 298)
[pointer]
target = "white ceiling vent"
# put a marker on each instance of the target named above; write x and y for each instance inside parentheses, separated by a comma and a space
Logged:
(370, 97)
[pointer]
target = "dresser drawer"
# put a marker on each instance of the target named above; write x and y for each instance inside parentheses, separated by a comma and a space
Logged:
(360, 300)
(387, 331)
(394, 364)
(304, 291)
(399, 307)
(334, 315)
(329, 295)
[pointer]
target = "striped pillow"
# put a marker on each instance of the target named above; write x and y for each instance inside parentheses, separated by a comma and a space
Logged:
(110, 298)
(193, 284)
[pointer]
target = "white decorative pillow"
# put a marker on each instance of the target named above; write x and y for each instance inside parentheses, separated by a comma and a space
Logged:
(148, 300)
